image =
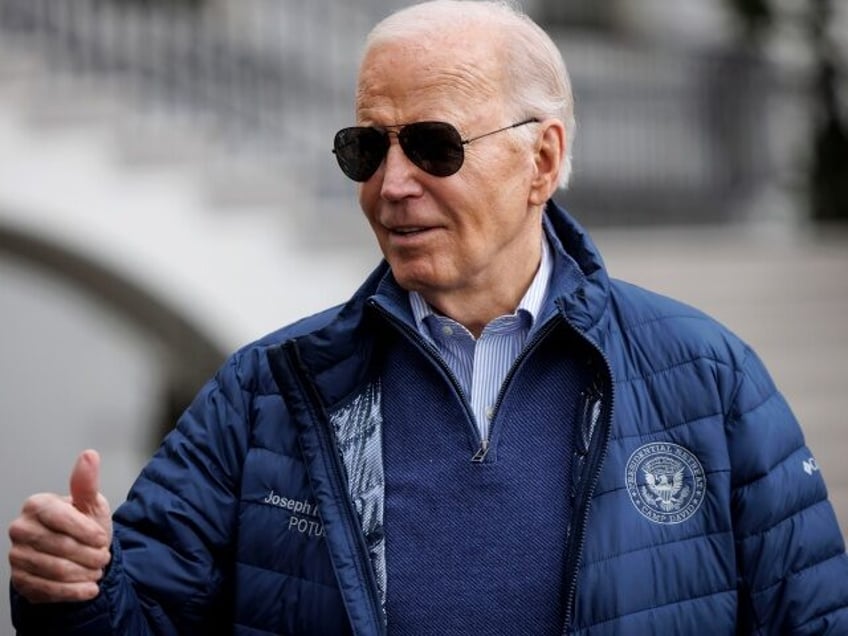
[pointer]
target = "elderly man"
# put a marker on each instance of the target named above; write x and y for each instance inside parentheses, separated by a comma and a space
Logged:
(490, 437)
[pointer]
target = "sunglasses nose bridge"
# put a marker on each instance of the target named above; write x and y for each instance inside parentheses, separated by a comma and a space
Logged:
(400, 174)
(392, 142)
(397, 155)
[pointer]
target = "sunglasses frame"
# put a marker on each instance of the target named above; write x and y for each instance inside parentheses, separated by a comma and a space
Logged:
(361, 168)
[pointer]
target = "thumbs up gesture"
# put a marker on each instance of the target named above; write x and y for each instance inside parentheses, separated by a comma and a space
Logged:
(60, 545)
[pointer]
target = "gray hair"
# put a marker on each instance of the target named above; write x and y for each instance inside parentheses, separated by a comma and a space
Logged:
(537, 79)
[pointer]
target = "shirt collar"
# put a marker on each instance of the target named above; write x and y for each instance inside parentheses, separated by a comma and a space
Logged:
(531, 302)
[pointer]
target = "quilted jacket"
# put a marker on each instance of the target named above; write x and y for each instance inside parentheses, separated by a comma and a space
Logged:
(696, 506)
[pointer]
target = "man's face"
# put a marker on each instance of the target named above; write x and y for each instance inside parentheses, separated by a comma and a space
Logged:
(473, 231)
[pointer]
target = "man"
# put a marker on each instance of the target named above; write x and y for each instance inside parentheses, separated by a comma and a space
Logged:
(490, 437)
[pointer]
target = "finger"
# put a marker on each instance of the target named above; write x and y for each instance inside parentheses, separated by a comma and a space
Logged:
(38, 590)
(58, 516)
(85, 482)
(23, 558)
(26, 532)
(85, 490)
(62, 546)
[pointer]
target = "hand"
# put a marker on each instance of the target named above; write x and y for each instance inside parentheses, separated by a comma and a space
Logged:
(60, 545)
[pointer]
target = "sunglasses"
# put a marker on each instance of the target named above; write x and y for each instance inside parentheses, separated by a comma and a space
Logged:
(434, 146)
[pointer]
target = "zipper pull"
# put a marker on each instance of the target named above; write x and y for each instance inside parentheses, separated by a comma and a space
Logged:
(592, 398)
(480, 455)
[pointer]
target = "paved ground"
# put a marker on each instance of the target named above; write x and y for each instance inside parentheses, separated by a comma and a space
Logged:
(784, 292)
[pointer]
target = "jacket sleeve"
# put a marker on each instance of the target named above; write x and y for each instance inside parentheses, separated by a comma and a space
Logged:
(790, 551)
(172, 549)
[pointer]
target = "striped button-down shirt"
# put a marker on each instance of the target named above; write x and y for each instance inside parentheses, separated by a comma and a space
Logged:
(481, 365)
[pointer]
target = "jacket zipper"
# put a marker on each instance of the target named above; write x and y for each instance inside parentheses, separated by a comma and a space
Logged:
(338, 479)
(594, 414)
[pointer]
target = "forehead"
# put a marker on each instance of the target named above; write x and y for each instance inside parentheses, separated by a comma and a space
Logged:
(411, 79)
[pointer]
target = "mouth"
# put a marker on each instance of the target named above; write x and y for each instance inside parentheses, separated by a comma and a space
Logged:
(408, 231)
(411, 236)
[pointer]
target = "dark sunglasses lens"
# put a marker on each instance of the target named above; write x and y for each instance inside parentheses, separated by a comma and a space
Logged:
(360, 151)
(433, 146)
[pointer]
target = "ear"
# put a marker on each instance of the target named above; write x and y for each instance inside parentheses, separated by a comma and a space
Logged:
(548, 154)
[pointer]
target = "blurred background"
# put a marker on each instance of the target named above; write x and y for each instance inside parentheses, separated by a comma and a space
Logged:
(167, 194)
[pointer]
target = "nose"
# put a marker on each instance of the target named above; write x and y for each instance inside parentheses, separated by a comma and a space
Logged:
(399, 175)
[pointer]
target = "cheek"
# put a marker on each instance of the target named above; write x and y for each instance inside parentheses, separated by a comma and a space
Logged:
(363, 192)
(369, 198)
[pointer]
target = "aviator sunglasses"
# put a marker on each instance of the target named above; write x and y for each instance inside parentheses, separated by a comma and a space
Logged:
(434, 146)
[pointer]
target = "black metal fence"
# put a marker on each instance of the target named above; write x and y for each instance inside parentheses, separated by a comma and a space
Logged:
(676, 136)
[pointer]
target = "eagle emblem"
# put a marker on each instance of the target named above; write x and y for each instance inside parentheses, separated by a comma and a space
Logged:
(666, 482)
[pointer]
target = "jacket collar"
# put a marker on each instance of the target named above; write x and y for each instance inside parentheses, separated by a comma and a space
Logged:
(583, 301)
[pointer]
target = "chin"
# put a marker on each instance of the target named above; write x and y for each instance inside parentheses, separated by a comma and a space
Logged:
(414, 282)
(422, 274)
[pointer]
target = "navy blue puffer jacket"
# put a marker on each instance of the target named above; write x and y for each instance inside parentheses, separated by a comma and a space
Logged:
(696, 509)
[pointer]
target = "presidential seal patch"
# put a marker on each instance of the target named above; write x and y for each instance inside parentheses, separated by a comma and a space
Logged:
(665, 482)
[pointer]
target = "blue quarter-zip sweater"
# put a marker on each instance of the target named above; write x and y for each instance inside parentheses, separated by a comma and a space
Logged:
(476, 544)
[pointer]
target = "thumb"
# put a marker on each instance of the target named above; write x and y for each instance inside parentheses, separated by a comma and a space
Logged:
(85, 482)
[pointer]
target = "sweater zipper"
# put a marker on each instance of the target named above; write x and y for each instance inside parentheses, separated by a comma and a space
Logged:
(593, 414)
(427, 348)
(338, 479)
(530, 347)
(480, 456)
